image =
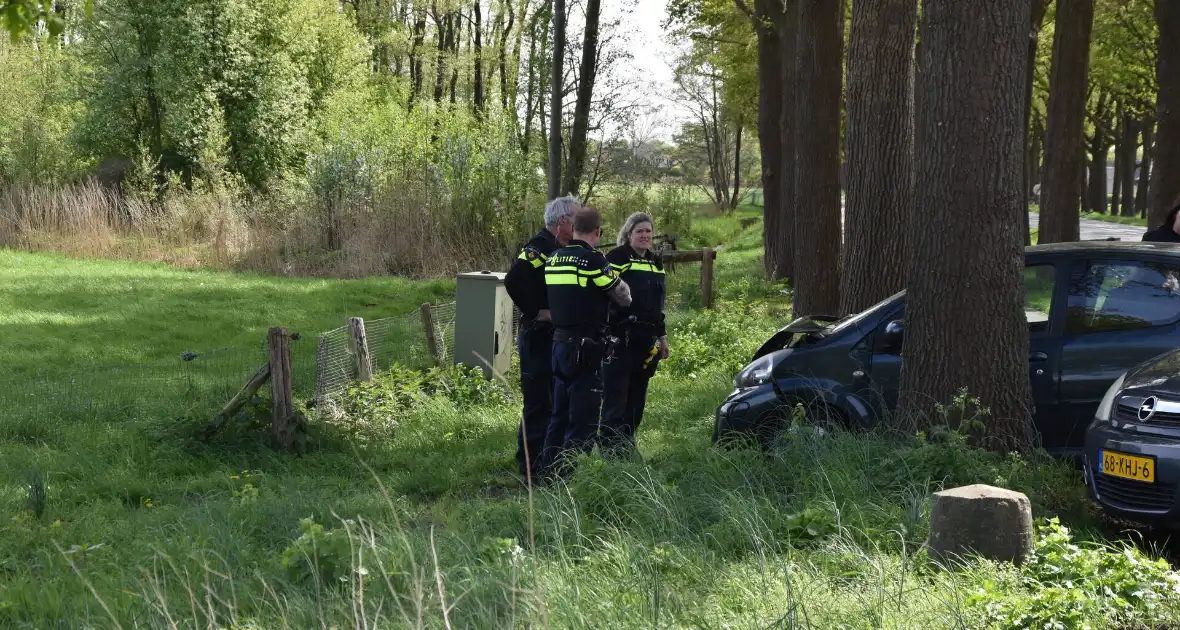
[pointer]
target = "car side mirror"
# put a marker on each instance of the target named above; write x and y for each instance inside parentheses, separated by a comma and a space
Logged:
(892, 338)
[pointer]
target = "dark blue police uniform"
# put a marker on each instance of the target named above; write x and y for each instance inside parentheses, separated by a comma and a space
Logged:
(638, 328)
(525, 283)
(578, 279)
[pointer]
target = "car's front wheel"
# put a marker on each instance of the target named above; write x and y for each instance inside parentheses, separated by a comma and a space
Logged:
(795, 412)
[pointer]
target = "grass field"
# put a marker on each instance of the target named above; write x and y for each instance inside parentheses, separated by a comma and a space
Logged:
(405, 513)
(1098, 216)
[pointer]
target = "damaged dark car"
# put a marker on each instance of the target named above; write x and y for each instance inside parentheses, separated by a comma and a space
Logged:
(1095, 310)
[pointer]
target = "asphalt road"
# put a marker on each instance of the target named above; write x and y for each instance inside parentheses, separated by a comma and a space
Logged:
(1093, 230)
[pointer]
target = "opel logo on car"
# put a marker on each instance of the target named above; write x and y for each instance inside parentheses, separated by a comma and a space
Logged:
(1147, 409)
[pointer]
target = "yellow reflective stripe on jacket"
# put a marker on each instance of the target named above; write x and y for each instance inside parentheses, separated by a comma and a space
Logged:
(604, 281)
(564, 278)
(533, 257)
(636, 265)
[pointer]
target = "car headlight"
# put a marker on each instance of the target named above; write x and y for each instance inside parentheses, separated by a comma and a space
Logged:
(1107, 404)
(758, 372)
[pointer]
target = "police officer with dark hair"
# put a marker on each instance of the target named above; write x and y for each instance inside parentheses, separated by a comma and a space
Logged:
(640, 329)
(1169, 230)
(581, 285)
(525, 283)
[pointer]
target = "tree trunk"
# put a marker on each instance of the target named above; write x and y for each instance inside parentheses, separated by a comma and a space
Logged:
(1117, 180)
(783, 245)
(1066, 114)
(737, 167)
(513, 85)
(817, 180)
(1164, 193)
(456, 36)
(504, 55)
(440, 75)
(416, 55)
(1099, 156)
(478, 88)
(555, 104)
(1033, 163)
(586, 76)
(1148, 126)
(769, 21)
(1037, 15)
(529, 110)
(880, 151)
(1126, 172)
(965, 324)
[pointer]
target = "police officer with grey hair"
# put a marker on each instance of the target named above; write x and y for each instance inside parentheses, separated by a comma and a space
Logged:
(525, 284)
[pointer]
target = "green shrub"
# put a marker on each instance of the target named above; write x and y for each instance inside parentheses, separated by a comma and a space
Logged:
(1076, 585)
(391, 394)
(672, 211)
(722, 339)
(619, 202)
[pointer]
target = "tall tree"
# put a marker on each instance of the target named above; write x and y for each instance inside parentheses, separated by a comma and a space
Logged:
(586, 74)
(769, 20)
(1165, 178)
(1100, 141)
(479, 97)
(880, 150)
(709, 146)
(556, 85)
(504, 78)
(1032, 156)
(965, 322)
(817, 173)
(1065, 119)
(1125, 171)
(1148, 126)
(782, 247)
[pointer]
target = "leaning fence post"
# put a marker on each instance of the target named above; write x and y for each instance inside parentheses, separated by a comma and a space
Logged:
(707, 278)
(360, 349)
(282, 403)
(428, 326)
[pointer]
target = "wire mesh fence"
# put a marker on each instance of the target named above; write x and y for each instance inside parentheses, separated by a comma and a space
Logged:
(335, 366)
(683, 284)
(397, 340)
(323, 365)
(193, 382)
(443, 318)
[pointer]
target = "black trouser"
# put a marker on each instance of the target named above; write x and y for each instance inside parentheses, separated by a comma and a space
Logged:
(625, 381)
(577, 398)
(535, 345)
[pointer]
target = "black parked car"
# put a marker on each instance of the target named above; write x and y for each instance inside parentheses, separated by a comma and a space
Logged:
(1095, 310)
(1132, 462)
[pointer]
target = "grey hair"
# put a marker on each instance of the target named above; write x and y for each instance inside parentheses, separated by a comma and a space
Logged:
(629, 226)
(560, 207)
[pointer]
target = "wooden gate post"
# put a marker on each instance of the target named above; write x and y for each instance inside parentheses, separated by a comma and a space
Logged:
(360, 349)
(707, 277)
(428, 326)
(282, 403)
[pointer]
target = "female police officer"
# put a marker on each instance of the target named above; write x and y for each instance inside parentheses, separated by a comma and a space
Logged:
(640, 331)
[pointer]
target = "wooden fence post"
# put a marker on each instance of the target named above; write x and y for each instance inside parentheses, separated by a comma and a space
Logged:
(707, 278)
(282, 403)
(360, 349)
(428, 326)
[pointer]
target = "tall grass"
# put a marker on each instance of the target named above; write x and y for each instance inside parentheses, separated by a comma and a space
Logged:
(397, 235)
(405, 513)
